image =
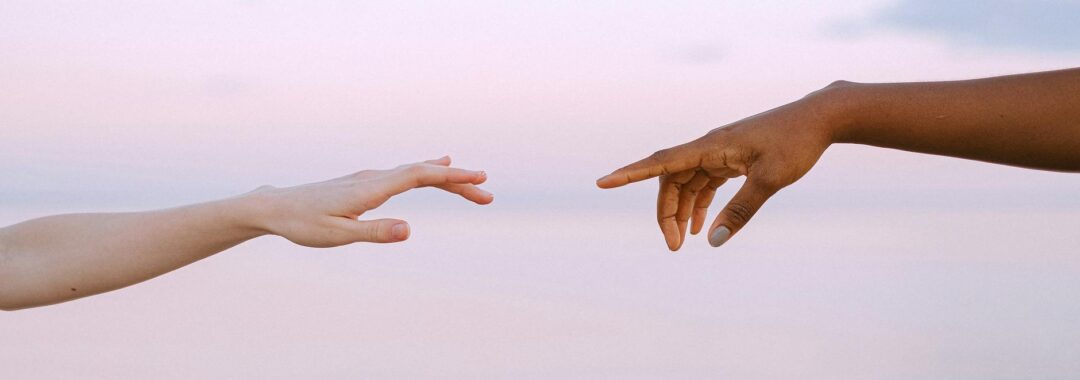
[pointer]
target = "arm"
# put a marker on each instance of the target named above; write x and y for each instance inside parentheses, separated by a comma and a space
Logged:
(60, 258)
(1030, 120)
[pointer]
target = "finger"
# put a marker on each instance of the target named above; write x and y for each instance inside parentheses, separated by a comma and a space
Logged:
(419, 175)
(470, 192)
(746, 202)
(368, 174)
(667, 204)
(443, 161)
(375, 231)
(701, 205)
(671, 160)
(687, 197)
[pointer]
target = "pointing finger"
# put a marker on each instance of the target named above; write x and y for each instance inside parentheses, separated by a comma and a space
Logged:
(667, 161)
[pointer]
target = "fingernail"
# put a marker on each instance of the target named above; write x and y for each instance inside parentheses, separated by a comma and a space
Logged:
(719, 236)
(400, 231)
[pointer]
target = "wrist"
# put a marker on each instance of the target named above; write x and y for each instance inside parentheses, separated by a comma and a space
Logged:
(252, 212)
(838, 103)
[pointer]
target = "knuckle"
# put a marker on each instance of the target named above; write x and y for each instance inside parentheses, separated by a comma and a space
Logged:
(369, 231)
(839, 83)
(663, 218)
(263, 189)
(380, 232)
(661, 154)
(414, 170)
(739, 212)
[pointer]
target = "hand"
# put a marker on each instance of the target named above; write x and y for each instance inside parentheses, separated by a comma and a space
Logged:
(772, 149)
(324, 214)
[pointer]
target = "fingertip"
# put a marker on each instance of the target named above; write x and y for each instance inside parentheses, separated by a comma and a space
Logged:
(670, 238)
(719, 236)
(484, 199)
(607, 182)
(481, 177)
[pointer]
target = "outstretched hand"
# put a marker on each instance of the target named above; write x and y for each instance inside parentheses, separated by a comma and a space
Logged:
(772, 149)
(324, 214)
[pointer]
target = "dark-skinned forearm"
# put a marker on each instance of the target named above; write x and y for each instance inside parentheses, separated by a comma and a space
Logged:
(1029, 120)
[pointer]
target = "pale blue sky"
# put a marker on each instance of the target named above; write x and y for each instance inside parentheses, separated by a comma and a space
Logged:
(1045, 26)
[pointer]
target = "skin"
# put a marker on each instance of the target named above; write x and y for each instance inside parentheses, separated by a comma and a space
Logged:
(64, 257)
(1028, 120)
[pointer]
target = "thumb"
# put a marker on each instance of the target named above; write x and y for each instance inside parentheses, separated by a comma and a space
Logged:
(746, 202)
(378, 231)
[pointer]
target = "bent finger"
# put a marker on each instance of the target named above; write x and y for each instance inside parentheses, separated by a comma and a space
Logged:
(701, 204)
(687, 197)
(667, 204)
(470, 192)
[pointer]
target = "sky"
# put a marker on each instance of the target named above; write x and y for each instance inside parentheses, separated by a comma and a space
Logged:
(158, 102)
(129, 105)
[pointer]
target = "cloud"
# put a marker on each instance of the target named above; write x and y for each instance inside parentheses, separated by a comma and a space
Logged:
(1037, 25)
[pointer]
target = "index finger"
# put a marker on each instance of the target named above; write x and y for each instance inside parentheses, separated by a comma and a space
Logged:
(420, 175)
(663, 162)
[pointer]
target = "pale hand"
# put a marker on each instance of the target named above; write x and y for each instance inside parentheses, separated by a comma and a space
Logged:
(324, 214)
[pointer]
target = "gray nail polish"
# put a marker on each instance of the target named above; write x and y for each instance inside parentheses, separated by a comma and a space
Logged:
(719, 236)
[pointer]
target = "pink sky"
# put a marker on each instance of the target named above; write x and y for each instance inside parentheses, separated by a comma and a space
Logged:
(226, 96)
(879, 264)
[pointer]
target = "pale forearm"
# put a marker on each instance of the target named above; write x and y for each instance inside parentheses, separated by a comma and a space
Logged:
(1030, 120)
(59, 258)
